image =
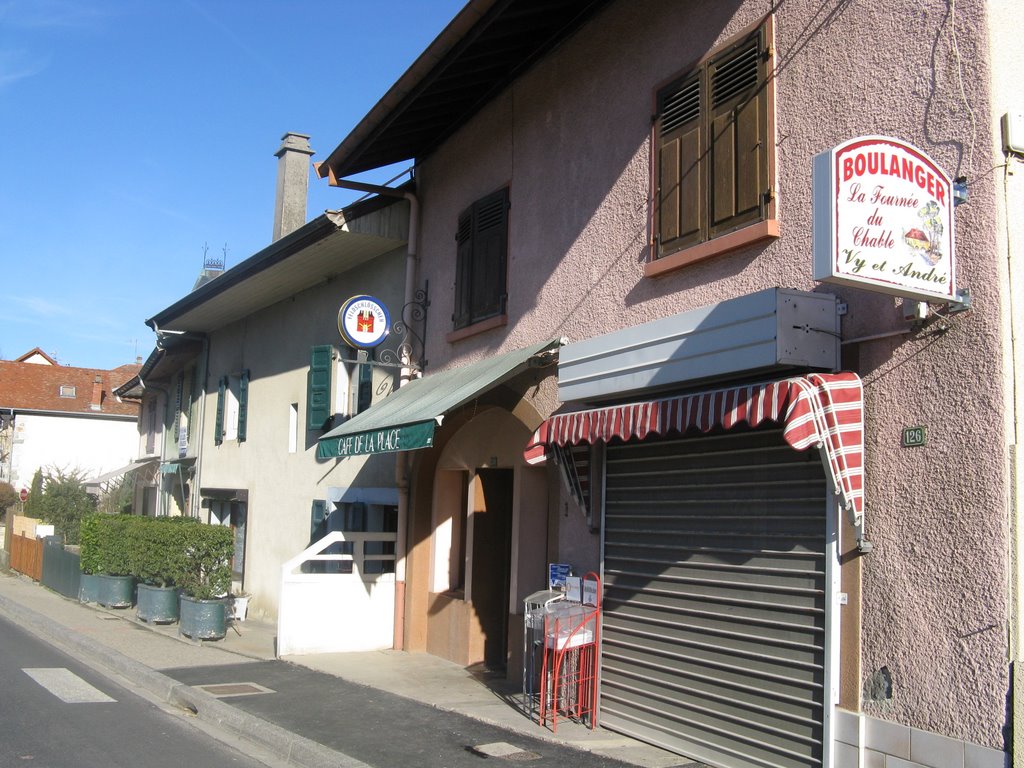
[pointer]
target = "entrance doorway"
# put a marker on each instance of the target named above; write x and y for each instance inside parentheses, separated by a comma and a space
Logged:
(492, 560)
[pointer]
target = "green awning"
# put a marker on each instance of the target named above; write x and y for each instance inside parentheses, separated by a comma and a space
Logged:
(405, 419)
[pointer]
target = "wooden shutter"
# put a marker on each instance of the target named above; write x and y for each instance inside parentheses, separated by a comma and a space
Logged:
(193, 379)
(243, 404)
(680, 191)
(490, 247)
(218, 428)
(739, 136)
(463, 269)
(712, 148)
(177, 407)
(481, 260)
(318, 390)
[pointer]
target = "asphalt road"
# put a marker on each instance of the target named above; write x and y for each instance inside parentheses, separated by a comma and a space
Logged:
(58, 713)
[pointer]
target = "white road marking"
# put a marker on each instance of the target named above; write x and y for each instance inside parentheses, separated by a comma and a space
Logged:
(66, 685)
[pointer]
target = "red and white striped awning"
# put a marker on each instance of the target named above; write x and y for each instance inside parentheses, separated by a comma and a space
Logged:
(823, 410)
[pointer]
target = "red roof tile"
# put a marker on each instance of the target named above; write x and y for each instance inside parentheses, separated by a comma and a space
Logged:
(35, 387)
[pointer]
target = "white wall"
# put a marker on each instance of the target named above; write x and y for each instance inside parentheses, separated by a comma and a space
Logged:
(91, 445)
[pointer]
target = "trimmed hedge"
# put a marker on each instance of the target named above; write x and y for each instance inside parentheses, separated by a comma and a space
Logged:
(162, 551)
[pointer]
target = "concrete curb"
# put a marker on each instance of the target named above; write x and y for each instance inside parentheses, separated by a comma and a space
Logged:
(292, 749)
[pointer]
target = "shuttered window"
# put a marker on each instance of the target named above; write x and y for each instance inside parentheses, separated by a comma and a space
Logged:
(713, 147)
(243, 406)
(318, 387)
(232, 408)
(218, 428)
(480, 270)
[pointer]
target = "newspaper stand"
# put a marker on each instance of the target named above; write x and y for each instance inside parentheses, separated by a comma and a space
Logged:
(536, 607)
(566, 686)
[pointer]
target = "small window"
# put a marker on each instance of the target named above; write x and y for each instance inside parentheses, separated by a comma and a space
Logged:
(293, 428)
(232, 408)
(480, 270)
(713, 149)
(66, 390)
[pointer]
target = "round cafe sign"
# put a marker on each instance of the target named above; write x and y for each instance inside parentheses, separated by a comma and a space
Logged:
(363, 322)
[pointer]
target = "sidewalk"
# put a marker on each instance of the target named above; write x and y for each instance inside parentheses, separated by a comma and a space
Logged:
(295, 725)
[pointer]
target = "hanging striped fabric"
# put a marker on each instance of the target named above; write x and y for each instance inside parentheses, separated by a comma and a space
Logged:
(818, 409)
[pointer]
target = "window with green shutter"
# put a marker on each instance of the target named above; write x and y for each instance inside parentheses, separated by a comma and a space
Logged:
(218, 427)
(318, 387)
(713, 148)
(481, 255)
(243, 406)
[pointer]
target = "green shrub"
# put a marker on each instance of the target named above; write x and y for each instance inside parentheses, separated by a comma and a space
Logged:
(163, 551)
(110, 543)
(89, 538)
(65, 502)
(206, 567)
(160, 550)
(34, 503)
(8, 497)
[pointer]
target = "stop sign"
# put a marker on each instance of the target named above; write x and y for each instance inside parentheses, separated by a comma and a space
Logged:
(24, 493)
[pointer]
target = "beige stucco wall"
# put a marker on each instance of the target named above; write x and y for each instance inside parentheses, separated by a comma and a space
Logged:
(571, 137)
(274, 345)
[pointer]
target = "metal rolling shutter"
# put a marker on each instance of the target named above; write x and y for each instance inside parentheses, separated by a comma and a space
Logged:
(714, 607)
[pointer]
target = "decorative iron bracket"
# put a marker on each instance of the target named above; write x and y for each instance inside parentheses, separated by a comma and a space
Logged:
(411, 346)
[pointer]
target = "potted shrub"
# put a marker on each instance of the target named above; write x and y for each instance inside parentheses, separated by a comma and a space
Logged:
(107, 554)
(205, 579)
(159, 547)
(89, 586)
(117, 585)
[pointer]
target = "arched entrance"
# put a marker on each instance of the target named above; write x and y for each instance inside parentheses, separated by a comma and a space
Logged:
(480, 540)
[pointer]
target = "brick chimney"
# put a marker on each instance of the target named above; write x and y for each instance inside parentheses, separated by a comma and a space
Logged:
(97, 393)
(292, 183)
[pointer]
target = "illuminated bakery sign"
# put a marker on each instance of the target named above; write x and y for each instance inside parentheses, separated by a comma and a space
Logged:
(363, 322)
(883, 220)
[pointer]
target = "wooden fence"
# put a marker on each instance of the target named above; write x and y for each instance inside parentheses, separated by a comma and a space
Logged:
(27, 556)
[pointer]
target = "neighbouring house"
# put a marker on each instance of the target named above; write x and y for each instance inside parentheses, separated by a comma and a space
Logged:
(250, 369)
(166, 389)
(793, 465)
(56, 417)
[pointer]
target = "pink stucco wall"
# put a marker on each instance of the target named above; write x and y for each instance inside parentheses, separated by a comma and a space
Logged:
(571, 137)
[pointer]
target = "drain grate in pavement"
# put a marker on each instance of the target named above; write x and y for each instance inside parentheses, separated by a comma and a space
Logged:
(220, 690)
(504, 750)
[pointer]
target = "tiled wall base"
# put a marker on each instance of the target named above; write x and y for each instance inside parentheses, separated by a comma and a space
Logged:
(888, 745)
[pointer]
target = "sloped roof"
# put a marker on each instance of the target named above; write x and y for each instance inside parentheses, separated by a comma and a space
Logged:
(485, 47)
(326, 246)
(34, 353)
(34, 387)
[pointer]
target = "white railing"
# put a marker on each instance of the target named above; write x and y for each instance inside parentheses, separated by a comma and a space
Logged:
(337, 612)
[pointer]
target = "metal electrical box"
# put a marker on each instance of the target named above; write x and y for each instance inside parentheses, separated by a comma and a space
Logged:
(770, 331)
(1013, 132)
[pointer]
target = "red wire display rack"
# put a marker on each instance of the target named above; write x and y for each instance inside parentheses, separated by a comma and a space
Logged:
(562, 682)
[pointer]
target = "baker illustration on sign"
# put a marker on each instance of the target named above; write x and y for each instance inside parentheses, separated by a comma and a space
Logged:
(364, 322)
(927, 246)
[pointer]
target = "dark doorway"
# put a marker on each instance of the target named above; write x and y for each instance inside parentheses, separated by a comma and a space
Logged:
(492, 560)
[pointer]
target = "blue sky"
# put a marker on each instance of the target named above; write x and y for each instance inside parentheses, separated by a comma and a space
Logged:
(134, 132)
